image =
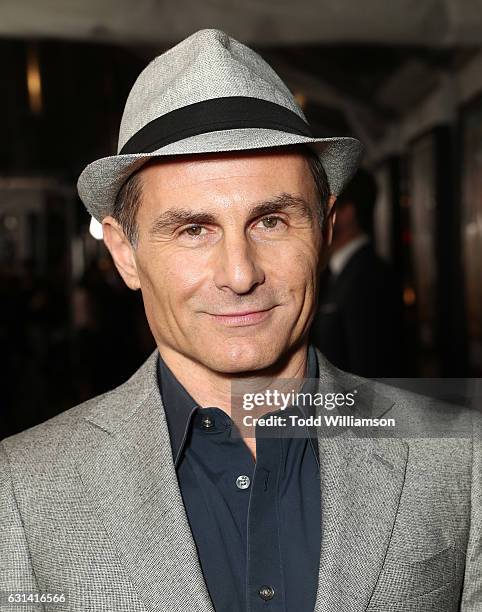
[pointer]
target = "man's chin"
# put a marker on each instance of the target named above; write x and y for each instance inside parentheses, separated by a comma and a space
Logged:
(241, 356)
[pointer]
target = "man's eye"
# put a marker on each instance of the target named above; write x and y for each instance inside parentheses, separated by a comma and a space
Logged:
(194, 230)
(271, 222)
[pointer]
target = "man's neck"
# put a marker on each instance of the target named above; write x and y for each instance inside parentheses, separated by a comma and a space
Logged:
(211, 388)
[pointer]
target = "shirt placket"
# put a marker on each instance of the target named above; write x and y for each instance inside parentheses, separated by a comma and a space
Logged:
(264, 575)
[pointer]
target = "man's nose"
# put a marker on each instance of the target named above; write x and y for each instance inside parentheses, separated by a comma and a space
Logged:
(237, 264)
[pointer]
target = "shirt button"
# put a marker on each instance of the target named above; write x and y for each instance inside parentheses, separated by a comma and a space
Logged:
(266, 592)
(207, 422)
(243, 482)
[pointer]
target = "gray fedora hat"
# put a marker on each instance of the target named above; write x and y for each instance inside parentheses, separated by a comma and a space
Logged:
(206, 94)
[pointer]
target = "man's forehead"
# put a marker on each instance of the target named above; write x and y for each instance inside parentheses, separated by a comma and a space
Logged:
(169, 199)
(164, 175)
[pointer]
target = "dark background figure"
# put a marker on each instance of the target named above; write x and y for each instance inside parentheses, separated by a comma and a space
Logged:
(359, 321)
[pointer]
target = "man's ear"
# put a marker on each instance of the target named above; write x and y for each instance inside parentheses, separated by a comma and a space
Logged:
(329, 221)
(122, 252)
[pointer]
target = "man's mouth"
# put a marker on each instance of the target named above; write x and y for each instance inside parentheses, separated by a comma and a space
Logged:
(243, 318)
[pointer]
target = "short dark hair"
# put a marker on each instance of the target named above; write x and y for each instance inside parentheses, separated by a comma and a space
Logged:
(129, 197)
(362, 192)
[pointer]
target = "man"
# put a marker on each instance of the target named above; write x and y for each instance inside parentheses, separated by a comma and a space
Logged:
(145, 498)
(358, 325)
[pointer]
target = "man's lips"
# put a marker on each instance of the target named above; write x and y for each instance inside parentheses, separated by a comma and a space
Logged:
(242, 318)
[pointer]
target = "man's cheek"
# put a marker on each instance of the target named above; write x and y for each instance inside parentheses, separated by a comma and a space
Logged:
(299, 267)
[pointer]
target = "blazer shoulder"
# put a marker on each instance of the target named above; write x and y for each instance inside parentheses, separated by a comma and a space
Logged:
(430, 414)
(409, 398)
(53, 432)
(50, 436)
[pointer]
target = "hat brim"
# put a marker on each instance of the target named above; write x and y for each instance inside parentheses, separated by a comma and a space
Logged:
(100, 182)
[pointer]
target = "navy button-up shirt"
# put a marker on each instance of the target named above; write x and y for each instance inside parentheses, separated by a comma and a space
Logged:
(256, 524)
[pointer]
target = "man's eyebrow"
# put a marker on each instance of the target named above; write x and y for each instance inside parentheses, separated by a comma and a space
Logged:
(174, 217)
(282, 202)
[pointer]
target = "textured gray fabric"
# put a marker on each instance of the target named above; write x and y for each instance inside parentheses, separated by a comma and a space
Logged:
(208, 64)
(90, 507)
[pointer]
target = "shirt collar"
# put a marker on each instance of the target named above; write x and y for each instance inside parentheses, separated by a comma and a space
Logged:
(340, 258)
(179, 406)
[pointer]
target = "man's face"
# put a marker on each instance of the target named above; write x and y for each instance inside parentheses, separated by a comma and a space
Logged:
(228, 256)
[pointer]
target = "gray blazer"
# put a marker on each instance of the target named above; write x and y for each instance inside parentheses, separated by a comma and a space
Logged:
(90, 508)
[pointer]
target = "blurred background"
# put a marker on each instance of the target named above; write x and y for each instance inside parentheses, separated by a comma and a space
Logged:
(404, 77)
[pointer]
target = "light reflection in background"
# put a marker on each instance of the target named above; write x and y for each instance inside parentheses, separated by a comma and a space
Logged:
(34, 80)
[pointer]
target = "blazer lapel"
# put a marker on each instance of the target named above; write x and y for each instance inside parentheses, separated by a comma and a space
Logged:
(361, 484)
(129, 476)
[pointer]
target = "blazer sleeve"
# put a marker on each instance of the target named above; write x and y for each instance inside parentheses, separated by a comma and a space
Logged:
(471, 600)
(16, 571)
